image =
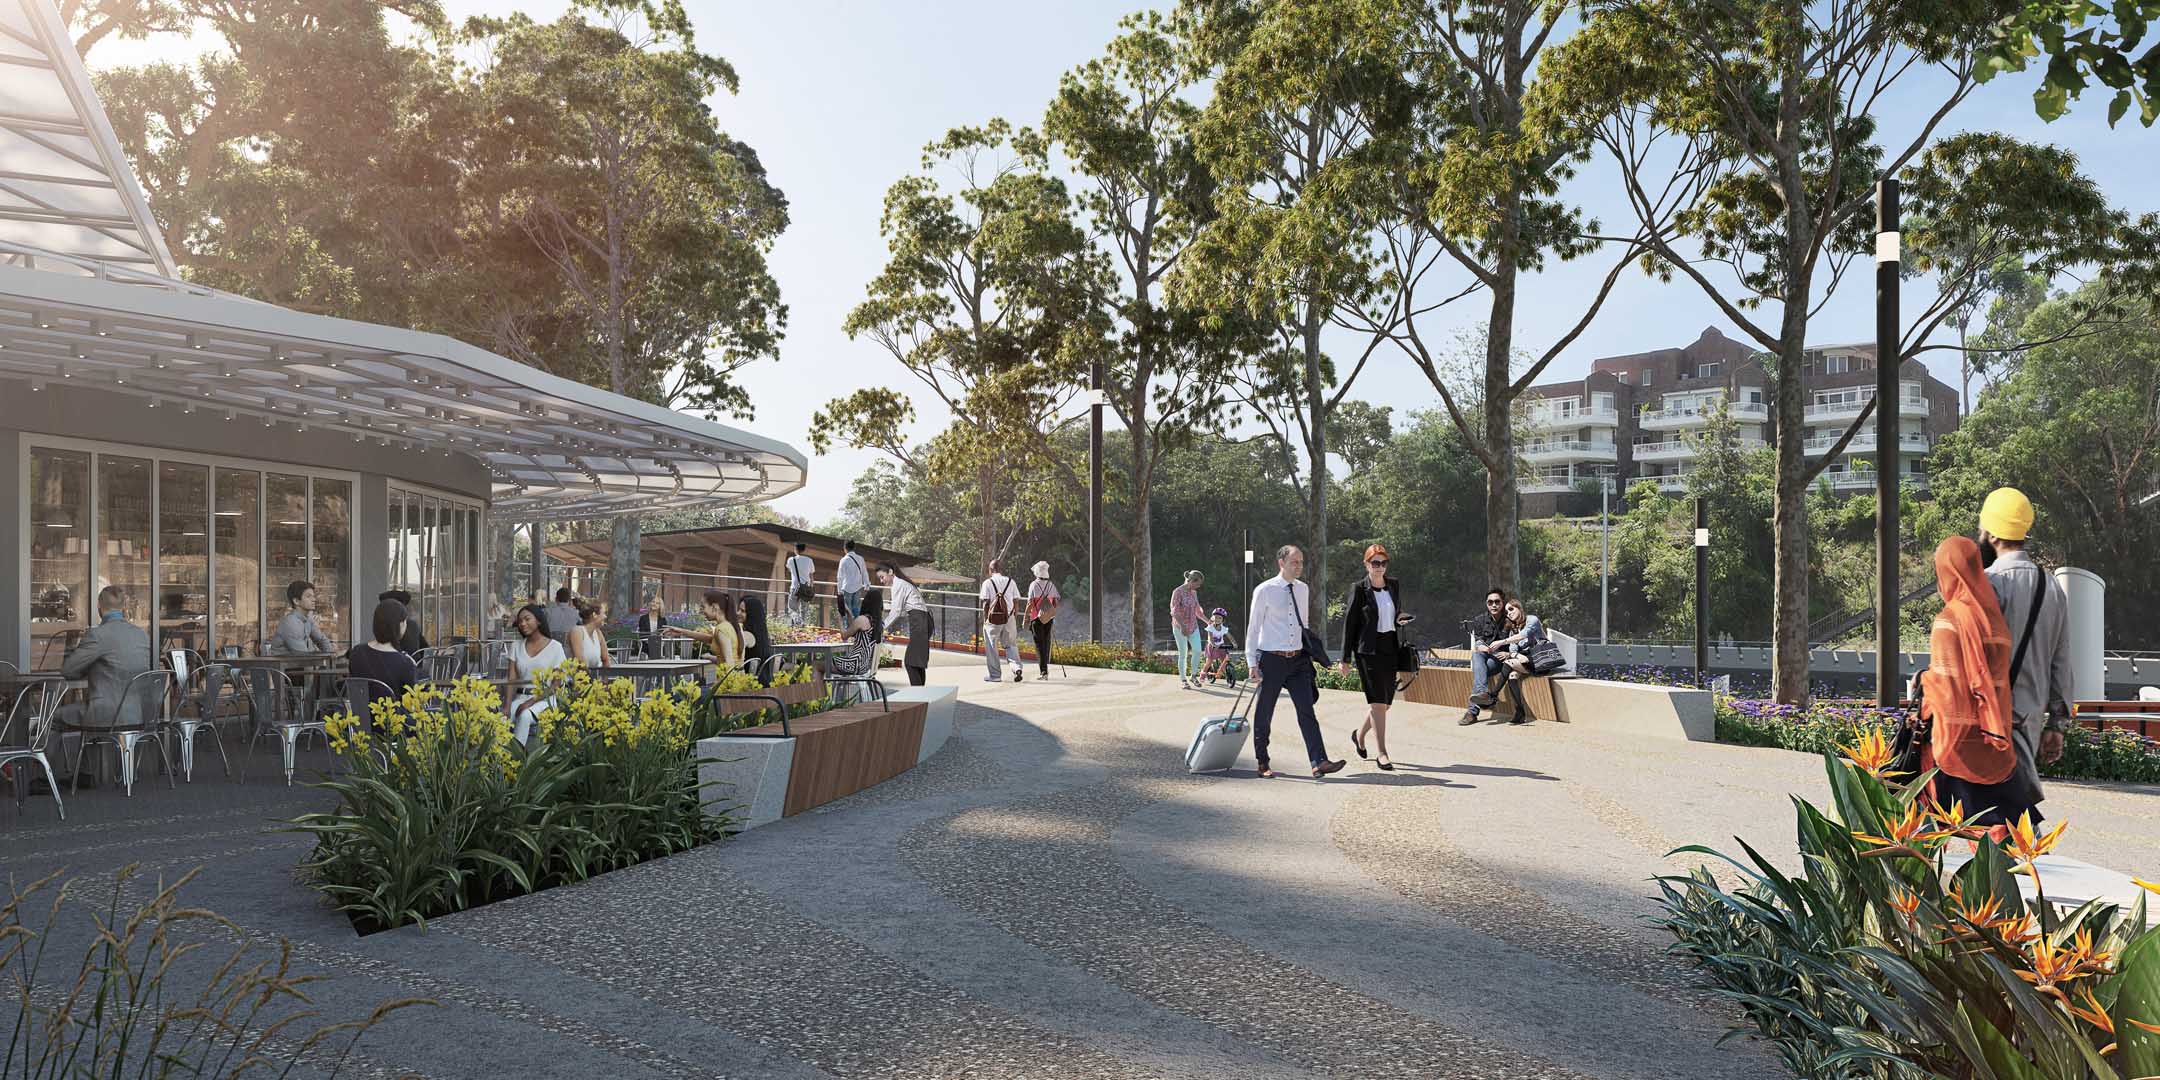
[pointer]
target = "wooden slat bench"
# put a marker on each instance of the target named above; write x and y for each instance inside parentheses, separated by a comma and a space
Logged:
(2142, 717)
(1451, 686)
(842, 751)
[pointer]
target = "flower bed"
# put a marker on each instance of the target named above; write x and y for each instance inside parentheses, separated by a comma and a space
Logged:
(2113, 754)
(440, 809)
(1876, 963)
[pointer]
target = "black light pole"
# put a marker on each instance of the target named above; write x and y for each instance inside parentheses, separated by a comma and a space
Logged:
(1245, 577)
(1094, 555)
(1702, 593)
(1888, 671)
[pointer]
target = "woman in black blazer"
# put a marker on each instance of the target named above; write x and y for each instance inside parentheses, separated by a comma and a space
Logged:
(649, 626)
(1370, 639)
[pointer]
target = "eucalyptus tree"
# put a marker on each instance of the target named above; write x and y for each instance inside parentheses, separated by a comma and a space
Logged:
(647, 225)
(1125, 121)
(1756, 119)
(991, 300)
(1294, 83)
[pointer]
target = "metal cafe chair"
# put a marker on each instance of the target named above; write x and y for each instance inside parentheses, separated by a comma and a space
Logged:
(355, 694)
(274, 709)
(207, 699)
(148, 693)
(33, 711)
(441, 665)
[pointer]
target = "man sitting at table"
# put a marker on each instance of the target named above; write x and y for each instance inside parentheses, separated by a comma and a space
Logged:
(110, 654)
(297, 634)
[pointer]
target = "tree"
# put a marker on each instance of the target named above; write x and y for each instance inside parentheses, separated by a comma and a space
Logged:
(1125, 122)
(2076, 426)
(1760, 116)
(652, 225)
(1281, 252)
(991, 302)
(2081, 38)
(1411, 494)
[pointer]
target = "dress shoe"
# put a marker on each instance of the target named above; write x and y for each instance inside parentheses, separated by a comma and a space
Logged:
(1326, 767)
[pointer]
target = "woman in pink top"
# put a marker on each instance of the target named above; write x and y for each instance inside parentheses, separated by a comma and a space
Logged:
(1185, 623)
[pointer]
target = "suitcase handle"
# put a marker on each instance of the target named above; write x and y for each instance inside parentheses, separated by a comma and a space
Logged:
(1234, 702)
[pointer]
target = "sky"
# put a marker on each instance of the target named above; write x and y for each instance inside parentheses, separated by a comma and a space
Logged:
(838, 99)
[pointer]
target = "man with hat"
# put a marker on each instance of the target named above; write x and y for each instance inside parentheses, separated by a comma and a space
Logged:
(2041, 683)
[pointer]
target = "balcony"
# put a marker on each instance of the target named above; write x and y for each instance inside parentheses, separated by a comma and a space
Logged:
(1698, 415)
(1864, 480)
(1864, 443)
(1850, 409)
(1672, 483)
(1572, 418)
(1551, 451)
(1680, 450)
(1541, 485)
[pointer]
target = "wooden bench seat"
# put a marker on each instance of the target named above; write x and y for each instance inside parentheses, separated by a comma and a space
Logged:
(1449, 685)
(842, 751)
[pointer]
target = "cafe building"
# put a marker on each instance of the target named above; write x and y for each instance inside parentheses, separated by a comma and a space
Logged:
(202, 450)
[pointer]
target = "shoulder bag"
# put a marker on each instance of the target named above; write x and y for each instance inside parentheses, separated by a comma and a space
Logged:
(1315, 649)
(1545, 655)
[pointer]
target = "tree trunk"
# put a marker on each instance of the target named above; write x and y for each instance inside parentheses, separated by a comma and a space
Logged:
(1316, 404)
(625, 560)
(1789, 614)
(1500, 502)
(502, 562)
(1143, 547)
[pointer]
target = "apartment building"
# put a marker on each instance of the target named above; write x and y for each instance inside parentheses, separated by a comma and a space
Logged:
(1632, 416)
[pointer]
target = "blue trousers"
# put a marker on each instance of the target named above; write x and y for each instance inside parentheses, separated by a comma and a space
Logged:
(1485, 668)
(1295, 674)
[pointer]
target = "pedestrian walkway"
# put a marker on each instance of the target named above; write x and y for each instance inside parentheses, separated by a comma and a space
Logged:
(1052, 896)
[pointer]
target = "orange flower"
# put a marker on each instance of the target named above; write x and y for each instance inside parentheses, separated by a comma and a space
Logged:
(2027, 846)
(1873, 753)
(1905, 831)
(1905, 900)
(2016, 930)
(2092, 1013)
(1983, 915)
(2054, 965)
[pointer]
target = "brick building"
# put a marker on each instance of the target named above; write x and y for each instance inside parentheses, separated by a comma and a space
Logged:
(1632, 415)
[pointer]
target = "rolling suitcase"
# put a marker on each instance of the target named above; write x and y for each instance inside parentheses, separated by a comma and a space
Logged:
(1220, 740)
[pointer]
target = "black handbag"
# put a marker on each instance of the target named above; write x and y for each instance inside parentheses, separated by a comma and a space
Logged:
(1546, 658)
(1315, 649)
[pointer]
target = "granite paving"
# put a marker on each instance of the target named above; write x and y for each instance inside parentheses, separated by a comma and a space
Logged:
(1053, 896)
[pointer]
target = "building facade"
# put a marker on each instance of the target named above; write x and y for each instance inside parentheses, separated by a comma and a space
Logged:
(1633, 417)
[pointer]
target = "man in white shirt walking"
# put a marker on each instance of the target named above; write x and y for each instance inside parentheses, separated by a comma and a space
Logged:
(1001, 618)
(854, 577)
(1275, 650)
(801, 591)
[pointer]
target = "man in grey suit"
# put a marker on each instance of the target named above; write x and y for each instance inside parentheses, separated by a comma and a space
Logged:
(561, 616)
(110, 654)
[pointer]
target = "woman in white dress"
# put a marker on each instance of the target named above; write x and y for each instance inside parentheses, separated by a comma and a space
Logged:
(587, 642)
(533, 653)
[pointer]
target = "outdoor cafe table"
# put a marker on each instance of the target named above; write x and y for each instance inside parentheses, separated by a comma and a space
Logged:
(649, 674)
(307, 669)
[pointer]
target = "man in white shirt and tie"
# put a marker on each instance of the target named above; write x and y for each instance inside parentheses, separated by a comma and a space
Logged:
(1275, 650)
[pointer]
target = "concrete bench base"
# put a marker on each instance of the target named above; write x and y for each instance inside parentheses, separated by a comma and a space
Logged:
(1661, 712)
(754, 773)
(938, 723)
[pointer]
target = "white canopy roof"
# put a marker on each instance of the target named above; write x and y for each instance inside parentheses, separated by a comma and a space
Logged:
(88, 294)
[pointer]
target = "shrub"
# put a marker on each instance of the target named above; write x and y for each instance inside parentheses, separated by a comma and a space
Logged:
(129, 1006)
(1822, 727)
(1876, 962)
(440, 809)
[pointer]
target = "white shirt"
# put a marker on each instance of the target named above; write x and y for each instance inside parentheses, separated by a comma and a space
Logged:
(529, 665)
(854, 577)
(1274, 625)
(905, 597)
(1000, 585)
(800, 569)
(1384, 604)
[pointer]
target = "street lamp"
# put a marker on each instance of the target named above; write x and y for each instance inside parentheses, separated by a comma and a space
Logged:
(1246, 572)
(1702, 593)
(1604, 575)
(1096, 399)
(1887, 259)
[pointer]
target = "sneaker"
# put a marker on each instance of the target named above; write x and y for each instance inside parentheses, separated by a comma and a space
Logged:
(1016, 674)
(1469, 717)
(992, 678)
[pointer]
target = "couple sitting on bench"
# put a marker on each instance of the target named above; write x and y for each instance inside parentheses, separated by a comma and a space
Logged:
(1503, 642)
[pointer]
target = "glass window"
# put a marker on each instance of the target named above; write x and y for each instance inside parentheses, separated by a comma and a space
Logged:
(285, 542)
(331, 550)
(237, 525)
(183, 567)
(60, 600)
(123, 499)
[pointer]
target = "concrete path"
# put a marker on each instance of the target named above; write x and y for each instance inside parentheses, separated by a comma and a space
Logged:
(1052, 896)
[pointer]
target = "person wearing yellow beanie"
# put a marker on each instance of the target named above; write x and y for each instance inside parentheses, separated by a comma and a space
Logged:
(2006, 515)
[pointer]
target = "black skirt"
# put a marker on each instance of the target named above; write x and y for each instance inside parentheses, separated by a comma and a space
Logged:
(1376, 670)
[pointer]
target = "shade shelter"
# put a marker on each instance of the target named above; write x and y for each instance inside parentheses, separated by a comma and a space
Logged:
(201, 449)
(679, 565)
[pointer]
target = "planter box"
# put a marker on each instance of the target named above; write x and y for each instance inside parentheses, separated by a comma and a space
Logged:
(755, 772)
(842, 751)
(792, 694)
(938, 722)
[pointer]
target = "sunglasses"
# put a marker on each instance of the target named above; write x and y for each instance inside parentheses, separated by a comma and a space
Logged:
(1376, 562)
(1492, 603)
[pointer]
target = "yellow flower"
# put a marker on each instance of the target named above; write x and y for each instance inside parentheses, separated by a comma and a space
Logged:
(2145, 885)
(2024, 844)
(1874, 753)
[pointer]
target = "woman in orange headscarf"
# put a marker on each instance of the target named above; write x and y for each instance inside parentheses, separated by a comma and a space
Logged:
(1965, 692)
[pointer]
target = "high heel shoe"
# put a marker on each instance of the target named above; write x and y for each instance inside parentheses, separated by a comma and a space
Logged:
(1385, 764)
(1357, 739)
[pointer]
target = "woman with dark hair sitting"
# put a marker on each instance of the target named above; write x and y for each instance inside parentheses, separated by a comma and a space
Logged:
(380, 659)
(757, 639)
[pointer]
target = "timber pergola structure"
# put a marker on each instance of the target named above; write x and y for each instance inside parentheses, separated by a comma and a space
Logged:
(682, 563)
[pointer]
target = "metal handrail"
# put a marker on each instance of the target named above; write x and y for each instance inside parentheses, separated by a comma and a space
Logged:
(777, 703)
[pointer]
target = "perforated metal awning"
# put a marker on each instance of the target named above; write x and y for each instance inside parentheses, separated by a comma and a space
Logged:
(88, 294)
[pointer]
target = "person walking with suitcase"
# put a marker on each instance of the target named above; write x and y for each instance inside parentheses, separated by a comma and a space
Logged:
(1370, 636)
(1281, 651)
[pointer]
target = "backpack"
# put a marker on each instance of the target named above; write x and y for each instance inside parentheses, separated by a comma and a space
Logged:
(1000, 610)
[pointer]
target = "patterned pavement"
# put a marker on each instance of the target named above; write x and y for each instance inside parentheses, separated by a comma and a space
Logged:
(1051, 896)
